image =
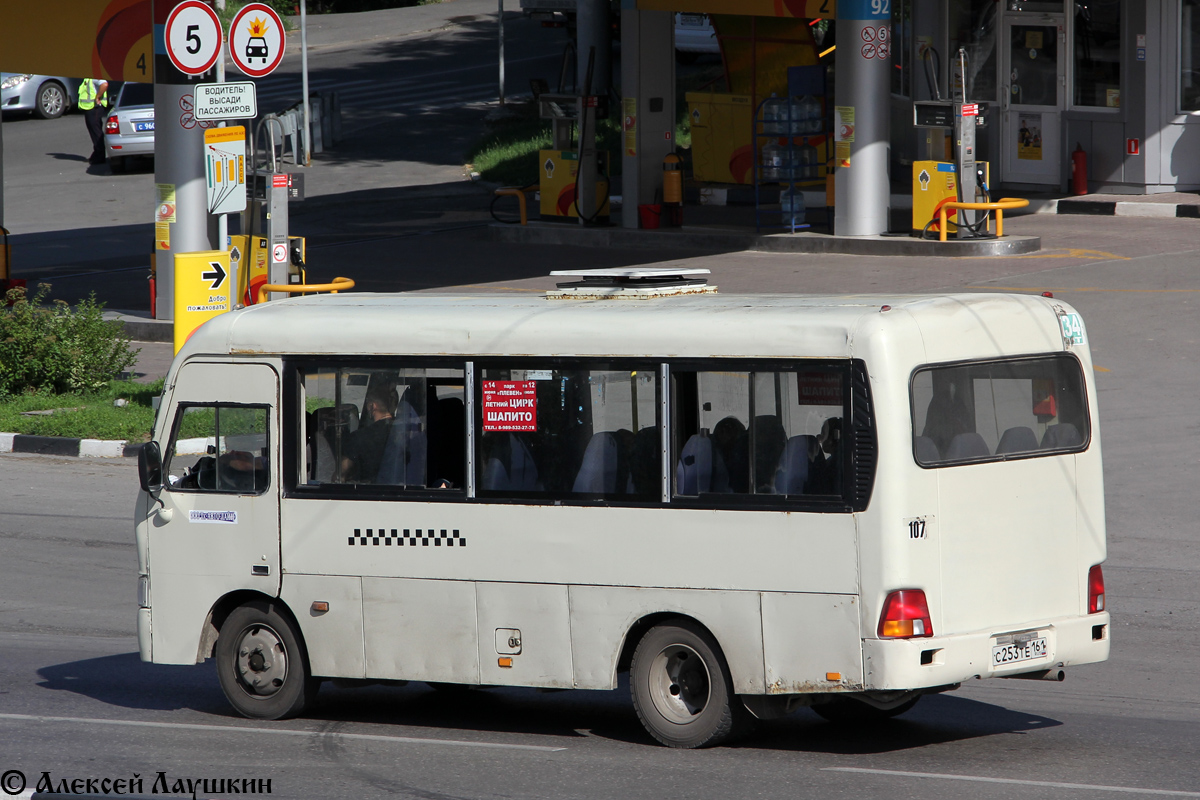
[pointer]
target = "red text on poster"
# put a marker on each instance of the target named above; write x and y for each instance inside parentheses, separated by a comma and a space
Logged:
(510, 405)
(819, 388)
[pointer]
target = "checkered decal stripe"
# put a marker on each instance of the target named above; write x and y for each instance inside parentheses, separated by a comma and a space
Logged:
(412, 538)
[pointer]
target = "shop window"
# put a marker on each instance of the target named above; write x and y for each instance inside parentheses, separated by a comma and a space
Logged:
(1098, 54)
(1189, 55)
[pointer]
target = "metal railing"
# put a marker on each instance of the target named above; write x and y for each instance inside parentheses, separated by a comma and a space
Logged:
(999, 206)
(333, 287)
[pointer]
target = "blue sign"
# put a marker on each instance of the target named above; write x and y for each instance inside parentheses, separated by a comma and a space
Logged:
(1141, 54)
(864, 9)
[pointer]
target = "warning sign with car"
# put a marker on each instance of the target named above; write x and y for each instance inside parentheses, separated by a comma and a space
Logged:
(256, 40)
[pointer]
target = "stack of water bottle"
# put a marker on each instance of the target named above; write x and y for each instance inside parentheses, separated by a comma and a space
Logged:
(787, 118)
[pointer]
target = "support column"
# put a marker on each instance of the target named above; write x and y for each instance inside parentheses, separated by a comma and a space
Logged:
(592, 29)
(863, 85)
(178, 164)
(648, 92)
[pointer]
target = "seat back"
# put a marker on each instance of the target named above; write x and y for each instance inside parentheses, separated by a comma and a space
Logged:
(792, 472)
(700, 469)
(925, 450)
(598, 471)
(967, 445)
(1064, 434)
(510, 466)
(404, 454)
(1020, 439)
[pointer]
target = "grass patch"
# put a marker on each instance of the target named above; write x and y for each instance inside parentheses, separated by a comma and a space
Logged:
(508, 153)
(92, 415)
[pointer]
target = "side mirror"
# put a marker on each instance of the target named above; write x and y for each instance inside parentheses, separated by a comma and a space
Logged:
(150, 471)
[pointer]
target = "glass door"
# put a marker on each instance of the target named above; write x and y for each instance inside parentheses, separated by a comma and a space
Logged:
(1034, 96)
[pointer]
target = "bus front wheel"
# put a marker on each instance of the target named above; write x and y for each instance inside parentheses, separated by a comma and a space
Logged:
(681, 687)
(261, 665)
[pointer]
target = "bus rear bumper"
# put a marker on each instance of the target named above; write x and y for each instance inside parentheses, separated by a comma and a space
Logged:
(896, 664)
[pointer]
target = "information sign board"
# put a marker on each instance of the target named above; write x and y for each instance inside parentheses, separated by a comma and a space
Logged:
(226, 101)
(225, 169)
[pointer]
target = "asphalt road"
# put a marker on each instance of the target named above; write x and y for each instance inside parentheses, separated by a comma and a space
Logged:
(76, 702)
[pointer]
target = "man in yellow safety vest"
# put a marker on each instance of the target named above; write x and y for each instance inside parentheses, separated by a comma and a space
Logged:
(92, 95)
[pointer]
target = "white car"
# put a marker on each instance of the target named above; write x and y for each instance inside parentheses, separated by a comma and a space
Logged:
(45, 95)
(129, 126)
(694, 37)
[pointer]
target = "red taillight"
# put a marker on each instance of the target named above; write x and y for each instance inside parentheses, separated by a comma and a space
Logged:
(1095, 590)
(112, 125)
(905, 615)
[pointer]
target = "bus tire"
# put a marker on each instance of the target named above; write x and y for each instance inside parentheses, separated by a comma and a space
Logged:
(848, 711)
(262, 667)
(681, 687)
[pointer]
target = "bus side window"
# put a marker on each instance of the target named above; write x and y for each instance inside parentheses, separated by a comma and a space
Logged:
(218, 448)
(758, 433)
(570, 433)
(384, 426)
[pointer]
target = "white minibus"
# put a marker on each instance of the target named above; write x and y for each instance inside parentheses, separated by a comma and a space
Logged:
(747, 503)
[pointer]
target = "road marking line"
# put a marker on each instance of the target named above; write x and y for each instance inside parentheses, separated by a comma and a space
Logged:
(1082, 289)
(1040, 784)
(362, 737)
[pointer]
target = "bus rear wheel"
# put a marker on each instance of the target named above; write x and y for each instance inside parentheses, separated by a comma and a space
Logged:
(261, 665)
(681, 687)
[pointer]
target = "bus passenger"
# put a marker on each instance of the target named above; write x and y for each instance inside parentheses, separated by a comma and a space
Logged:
(825, 476)
(363, 450)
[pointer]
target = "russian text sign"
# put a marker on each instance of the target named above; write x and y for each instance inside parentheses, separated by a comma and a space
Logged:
(225, 101)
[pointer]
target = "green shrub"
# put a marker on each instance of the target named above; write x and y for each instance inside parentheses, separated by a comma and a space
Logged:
(56, 349)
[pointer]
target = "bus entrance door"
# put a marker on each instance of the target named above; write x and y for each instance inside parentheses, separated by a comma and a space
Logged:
(220, 532)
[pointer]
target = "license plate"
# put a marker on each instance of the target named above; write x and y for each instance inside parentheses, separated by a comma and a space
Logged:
(1015, 652)
(143, 126)
(692, 20)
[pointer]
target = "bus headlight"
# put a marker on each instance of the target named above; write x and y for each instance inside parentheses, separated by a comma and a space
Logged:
(143, 591)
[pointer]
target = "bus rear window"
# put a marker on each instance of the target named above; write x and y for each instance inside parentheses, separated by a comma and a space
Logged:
(997, 410)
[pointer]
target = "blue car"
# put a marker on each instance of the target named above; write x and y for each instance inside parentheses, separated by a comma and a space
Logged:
(47, 96)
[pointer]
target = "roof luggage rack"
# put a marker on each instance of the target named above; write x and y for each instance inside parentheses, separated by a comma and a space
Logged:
(630, 283)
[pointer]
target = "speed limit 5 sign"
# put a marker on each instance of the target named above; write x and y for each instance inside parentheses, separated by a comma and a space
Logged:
(193, 37)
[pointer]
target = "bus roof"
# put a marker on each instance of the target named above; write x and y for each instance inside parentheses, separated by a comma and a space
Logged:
(761, 325)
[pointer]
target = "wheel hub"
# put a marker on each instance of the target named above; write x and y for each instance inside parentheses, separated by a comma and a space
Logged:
(679, 683)
(261, 661)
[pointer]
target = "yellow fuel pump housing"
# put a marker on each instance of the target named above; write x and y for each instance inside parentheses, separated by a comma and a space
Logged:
(556, 182)
(935, 182)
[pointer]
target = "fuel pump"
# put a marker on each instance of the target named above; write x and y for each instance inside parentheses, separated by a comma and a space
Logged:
(268, 254)
(573, 182)
(965, 180)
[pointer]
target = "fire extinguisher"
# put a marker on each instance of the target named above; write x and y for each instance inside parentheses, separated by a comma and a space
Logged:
(1079, 170)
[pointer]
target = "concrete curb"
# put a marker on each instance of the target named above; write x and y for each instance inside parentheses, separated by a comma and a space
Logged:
(67, 446)
(1118, 208)
(693, 238)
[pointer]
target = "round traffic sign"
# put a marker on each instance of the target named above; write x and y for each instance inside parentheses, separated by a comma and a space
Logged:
(193, 37)
(279, 253)
(256, 40)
